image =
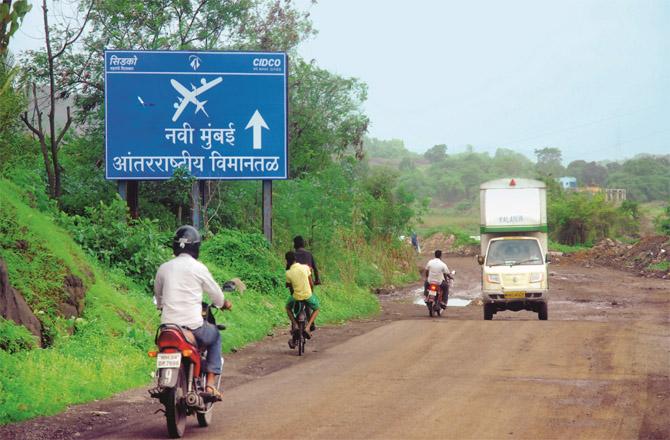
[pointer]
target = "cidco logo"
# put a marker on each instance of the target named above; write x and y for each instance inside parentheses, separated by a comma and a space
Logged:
(267, 62)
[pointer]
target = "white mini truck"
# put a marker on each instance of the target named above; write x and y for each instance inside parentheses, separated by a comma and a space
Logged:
(514, 246)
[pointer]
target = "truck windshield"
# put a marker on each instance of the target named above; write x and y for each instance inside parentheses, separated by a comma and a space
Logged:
(513, 252)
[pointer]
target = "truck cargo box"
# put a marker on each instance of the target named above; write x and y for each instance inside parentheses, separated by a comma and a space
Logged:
(513, 206)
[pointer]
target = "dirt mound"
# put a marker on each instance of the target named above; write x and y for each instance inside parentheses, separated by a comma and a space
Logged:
(446, 243)
(649, 257)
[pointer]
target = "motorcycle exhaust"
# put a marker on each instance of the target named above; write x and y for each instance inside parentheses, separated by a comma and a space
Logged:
(194, 400)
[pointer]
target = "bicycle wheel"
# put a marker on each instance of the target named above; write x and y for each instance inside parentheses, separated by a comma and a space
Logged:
(301, 338)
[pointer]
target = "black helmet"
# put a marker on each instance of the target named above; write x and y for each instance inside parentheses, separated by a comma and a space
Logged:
(186, 239)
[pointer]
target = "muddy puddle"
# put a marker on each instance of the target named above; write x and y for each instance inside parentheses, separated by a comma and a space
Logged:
(457, 299)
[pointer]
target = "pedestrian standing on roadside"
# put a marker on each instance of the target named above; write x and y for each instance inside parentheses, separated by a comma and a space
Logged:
(415, 242)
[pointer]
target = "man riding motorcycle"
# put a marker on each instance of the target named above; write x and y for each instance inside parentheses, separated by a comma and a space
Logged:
(178, 288)
(437, 272)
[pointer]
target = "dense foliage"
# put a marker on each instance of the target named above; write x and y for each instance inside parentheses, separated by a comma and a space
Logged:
(579, 218)
(136, 247)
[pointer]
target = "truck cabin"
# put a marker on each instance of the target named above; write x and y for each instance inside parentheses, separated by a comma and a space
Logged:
(513, 252)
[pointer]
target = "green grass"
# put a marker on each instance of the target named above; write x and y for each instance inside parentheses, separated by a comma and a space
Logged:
(662, 266)
(648, 213)
(446, 218)
(91, 357)
(566, 249)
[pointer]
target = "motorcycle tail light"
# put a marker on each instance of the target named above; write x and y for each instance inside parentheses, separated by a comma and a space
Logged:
(170, 338)
(433, 287)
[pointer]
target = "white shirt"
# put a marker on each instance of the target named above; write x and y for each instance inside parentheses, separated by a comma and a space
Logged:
(178, 287)
(437, 271)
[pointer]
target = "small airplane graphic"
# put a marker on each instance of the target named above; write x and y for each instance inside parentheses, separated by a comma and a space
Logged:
(144, 104)
(190, 96)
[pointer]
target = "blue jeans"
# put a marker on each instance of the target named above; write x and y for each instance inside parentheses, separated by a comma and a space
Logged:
(208, 336)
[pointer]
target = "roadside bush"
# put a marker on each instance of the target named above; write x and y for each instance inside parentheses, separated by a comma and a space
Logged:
(247, 256)
(580, 218)
(135, 246)
(662, 221)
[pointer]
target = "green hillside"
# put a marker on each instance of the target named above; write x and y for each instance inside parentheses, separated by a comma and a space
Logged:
(81, 356)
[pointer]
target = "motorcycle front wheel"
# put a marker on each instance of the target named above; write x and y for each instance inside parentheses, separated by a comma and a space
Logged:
(175, 410)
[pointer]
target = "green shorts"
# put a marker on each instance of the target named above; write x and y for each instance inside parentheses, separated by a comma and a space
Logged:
(312, 302)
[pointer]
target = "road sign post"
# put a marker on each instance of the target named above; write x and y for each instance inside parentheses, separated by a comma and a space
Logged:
(218, 115)
(267, 209)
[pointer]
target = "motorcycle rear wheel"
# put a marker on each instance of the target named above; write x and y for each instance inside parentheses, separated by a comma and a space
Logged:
(175, 411)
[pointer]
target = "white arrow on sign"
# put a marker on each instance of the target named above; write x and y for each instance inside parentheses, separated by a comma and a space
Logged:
(258, 123)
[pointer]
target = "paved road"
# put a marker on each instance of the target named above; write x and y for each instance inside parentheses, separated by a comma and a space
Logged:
(597, 369)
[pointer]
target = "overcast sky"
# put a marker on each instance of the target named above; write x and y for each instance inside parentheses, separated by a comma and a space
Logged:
(591, 77)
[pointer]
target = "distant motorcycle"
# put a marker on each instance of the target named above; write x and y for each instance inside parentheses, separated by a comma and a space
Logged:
(434, 297)
(181, 379)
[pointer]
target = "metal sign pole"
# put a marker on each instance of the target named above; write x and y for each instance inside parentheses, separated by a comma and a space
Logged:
(195, 203)
(267, 209)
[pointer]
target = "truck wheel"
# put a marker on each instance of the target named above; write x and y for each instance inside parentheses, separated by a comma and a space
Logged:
(543, 312)
(488, 312)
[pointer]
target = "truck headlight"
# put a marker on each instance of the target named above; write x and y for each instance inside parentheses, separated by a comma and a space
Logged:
(493, 278)
(536, 277)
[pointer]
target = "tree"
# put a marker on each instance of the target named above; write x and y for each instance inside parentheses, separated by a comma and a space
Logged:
(576, 169)
(326, 118)
(645, 177)
(437, 153)
(50, 141)
(549, 162)
(508, 163)
(11, 102)
(594, 174)
(10, 20)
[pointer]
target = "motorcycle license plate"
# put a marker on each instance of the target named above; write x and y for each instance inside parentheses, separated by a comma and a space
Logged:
(515, 294)
(168, 360)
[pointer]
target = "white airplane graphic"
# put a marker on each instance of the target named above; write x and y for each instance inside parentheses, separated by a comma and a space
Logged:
(190, 96)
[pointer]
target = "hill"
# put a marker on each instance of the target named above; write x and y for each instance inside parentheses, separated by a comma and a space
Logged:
(86, 326)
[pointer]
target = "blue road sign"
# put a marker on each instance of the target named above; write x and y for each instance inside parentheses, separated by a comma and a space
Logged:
(219, 115)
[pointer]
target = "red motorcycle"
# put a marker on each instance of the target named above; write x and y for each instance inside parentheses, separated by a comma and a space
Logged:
(181, 380)
(434, 296)
(434, 299)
